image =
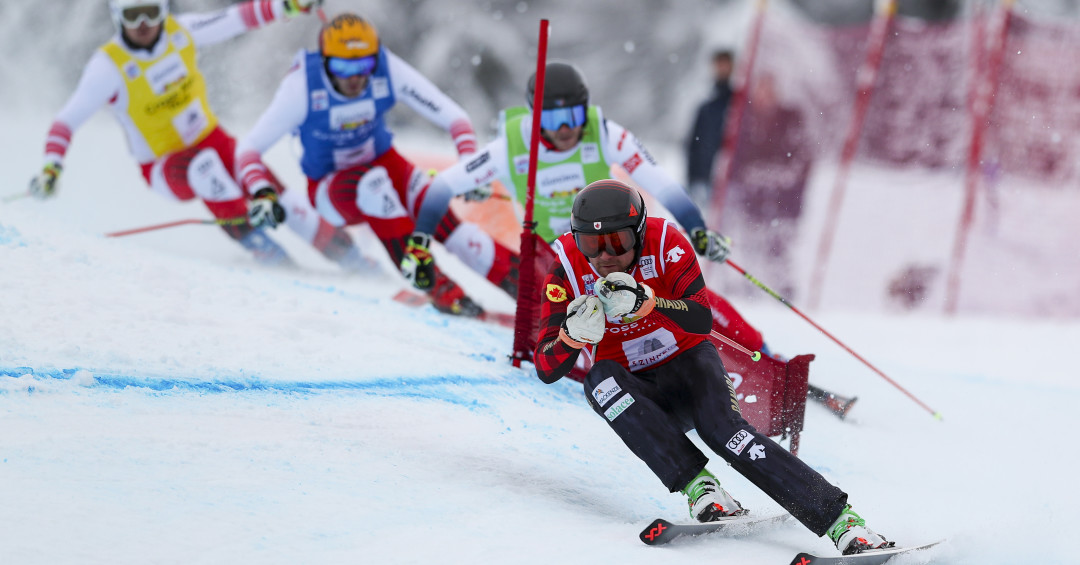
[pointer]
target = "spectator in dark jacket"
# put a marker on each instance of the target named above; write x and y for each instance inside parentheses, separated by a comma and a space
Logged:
(708, 133)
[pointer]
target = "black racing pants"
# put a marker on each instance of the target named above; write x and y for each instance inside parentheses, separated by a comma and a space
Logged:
(652, 410)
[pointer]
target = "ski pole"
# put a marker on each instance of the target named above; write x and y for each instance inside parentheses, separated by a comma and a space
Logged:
(784, 301)
(496, 196)
(218, 222)
(14, 197)
(754, 355)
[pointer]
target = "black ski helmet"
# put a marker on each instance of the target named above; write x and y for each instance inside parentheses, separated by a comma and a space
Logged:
(564, 86)
(607, 206)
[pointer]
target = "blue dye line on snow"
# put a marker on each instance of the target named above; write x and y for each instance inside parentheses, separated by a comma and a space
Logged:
(11, 236)
(428, 388)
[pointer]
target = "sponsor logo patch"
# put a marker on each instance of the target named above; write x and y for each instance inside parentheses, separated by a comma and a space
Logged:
(555, 293)
(675, 254)
(590, 153)
(179, 40)
(632, 163)
(650, 349)
(647, 264)
(590, 283)
(521, 164)
(560, 181)
(320, 100)
(352, 116)
(168, 71)
(477, 162)
(619, 407)
(606, 391)
(380, 87)
(739, 441)
(131, 69)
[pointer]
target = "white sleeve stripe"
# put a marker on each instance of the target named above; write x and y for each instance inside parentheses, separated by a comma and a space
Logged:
(561, 252)
(663, 257)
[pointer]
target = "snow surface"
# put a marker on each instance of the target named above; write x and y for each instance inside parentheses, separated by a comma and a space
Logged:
(165, 400)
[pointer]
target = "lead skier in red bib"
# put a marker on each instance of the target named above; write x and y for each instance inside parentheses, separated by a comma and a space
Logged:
(627, 291)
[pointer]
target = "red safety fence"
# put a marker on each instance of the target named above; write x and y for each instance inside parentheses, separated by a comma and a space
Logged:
(909, 161)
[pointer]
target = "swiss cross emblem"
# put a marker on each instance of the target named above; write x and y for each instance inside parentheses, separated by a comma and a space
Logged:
(555, 293)
(675, 254)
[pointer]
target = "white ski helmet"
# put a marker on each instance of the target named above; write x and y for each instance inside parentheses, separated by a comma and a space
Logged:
(117, 7)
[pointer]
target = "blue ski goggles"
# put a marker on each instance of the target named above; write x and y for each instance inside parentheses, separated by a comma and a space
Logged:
(555, 118)
(345, 68)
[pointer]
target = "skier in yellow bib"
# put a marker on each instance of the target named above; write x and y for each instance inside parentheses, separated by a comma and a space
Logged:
(149, 76)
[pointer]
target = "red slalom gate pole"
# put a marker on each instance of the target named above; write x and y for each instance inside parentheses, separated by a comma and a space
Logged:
(981, 104)
(527, 295)
(738, 107)
(785, 302)
(864, 82)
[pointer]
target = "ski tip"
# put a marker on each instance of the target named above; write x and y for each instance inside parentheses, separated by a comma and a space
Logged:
(803, 559)
(656, 532)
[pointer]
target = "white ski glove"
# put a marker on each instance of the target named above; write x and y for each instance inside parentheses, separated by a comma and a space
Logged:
(584, 323)
(711, 245)
(297, 7)
(625, 298)
(44, 184)
(264, 210)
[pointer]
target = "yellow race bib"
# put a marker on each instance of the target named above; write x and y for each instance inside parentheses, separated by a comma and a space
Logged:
(167, 98)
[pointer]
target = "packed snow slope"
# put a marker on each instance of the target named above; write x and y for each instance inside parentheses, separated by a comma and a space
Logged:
(163, 399)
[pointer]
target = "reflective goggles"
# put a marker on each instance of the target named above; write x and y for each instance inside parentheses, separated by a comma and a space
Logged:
(615, 243)
(345, 68)
(150, 14)
(554, 118)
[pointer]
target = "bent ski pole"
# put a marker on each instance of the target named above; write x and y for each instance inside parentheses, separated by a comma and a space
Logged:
(784, 301)
(754, 355)
(218, 222)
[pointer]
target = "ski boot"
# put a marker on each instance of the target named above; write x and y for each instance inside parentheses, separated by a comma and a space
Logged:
(449, 298)
(708, 501)
(340, 248)
(851, 536)
(266, 251)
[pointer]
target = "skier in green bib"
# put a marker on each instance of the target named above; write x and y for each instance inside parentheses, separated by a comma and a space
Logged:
(578, 145)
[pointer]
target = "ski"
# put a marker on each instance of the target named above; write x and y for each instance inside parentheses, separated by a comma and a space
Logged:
(416, 299)
(660, 531)
(838, 405)
(867, 558)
